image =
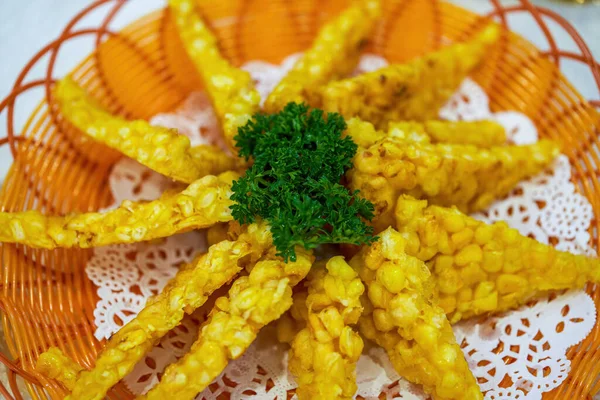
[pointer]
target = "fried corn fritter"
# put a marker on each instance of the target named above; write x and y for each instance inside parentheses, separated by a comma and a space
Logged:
(478, 133)
(479, 268)
(334, 54)
(187, 291)
(253, 301)
(402, 316)
(412, 91)
(160, 149)
(202, 204)
(231, 89)
(324, 354)
(307, 183)
(55, 365)
(466, 176)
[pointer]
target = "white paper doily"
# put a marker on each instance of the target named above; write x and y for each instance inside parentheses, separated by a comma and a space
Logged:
(535, 338)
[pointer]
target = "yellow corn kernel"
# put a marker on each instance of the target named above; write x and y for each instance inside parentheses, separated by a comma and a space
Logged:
(495, 270)
(471, 273)
(333, 54)
(412, 91)
(188, 290)
(466, 176)
(418, 338)
(507, 283)
(465, 295)
(462, 238)
(468, 254)
(253, 301)
(483, 234)
(448, 303)
(55, 365)
(287, 328)
(232, 91)
(161, 149)
(131, 222)
(324, 354)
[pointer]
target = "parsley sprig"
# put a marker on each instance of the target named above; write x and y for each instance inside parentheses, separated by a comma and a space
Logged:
(299, 159)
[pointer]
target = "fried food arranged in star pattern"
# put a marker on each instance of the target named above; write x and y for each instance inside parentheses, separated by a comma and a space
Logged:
(302, 178)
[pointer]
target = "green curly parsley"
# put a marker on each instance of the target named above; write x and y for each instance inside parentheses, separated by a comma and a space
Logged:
(299, 159)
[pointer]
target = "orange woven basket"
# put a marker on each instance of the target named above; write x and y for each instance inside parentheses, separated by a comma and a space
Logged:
(45, 297)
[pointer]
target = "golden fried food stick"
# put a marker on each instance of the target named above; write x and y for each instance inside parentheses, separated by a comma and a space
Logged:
(401, 316)
(477, 133)
(324, 354)
(231, 89)
(466, 176)
(333, 54)
(479, 268)
(161, 149)
(412, 91)
(55, 365)
(202, 204)
(188, 290)
(253, 301)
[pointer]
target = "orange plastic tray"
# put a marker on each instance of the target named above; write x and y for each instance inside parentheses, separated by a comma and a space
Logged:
(46, 299)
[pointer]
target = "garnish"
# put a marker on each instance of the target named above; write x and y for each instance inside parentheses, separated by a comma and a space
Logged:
(299, 159)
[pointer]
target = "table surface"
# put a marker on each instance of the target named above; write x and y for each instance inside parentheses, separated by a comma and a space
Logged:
(33, 23)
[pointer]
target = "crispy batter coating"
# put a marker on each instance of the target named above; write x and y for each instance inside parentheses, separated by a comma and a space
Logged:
(253, 301)
(466, 176)
(324, 354)
(188, 290)
(202, 204)
(333, 54)
(402, 316)
(213, 160)
(412, 91)
(161, 149)
(477, 133)
(55, 365)
(480, 268)
(232, 90)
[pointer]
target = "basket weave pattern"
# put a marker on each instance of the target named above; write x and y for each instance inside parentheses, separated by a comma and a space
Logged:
(46, 299)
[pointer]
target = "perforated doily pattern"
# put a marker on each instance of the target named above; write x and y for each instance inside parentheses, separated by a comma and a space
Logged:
(533, 340)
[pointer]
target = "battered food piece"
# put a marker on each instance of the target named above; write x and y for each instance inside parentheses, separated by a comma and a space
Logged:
(334, 54)
(160, 149)
(202, 204)
(401, 315)
(324, 354)
(187, 291)
(466, 176)
(253, 301)
(232, 91)
(477, 133)
(479, 268)
(412, 91)
(55, 365)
